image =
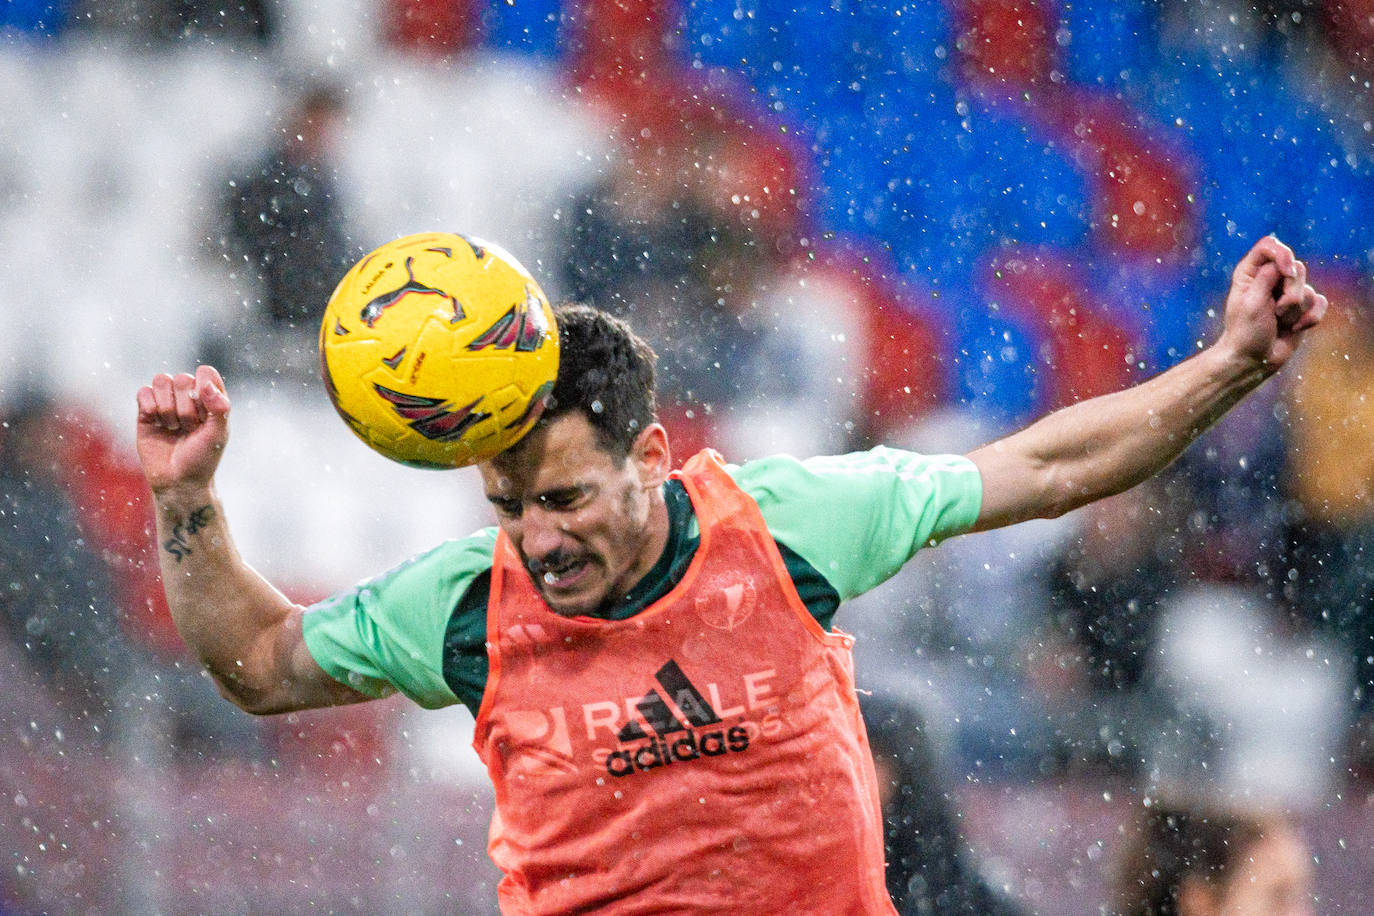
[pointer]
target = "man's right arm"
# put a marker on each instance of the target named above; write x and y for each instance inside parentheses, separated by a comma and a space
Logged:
(245, 632)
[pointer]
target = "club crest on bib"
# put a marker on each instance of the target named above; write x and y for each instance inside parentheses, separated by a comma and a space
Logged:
(726, 604)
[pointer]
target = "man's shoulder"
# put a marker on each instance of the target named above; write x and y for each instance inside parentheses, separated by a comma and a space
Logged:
(438, 576)
(456, 559)
(821, 470)
(840, 496)
(857, 517)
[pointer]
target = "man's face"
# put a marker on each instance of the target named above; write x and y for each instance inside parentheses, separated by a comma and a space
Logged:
(587, 526)
(1275, 879)
(1272, 877)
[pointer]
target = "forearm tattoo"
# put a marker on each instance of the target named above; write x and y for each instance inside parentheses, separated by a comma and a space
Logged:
(179, 544)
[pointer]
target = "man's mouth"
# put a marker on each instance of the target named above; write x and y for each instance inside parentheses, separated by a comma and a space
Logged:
(559, 572)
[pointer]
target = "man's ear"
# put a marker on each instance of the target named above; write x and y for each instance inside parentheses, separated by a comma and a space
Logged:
(651, 455)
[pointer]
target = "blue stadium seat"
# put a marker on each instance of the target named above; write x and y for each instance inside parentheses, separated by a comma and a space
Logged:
(964, 184)
(924, 196)
(792, 53)
(1036, 195)
(527, 26)
(1326, 204)
(1337, 220)
(1228, 117)
(1165, 304)
(725, 34)
(910, 40)
(994, 359)
(1271, 161)
(36, 18)
(1109, 42)
(811, 56)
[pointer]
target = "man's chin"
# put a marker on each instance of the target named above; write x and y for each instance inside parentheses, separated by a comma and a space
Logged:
(566, 608)
(571, 603)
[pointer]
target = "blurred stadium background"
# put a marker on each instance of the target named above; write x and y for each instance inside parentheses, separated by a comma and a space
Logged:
(941, 219)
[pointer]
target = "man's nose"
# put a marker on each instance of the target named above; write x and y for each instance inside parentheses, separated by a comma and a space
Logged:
(541, 533)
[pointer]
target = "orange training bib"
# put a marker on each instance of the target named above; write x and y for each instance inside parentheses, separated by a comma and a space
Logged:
(706, 755)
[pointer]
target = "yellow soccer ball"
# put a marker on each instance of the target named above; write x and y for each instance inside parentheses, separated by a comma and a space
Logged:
(438, 350)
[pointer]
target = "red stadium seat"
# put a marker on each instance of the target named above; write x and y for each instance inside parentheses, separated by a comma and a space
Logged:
(434, 27)
(1084, 350)
(1140, 190)
(906, 370)
(1005, 42)
(107, 486)
(618, 45)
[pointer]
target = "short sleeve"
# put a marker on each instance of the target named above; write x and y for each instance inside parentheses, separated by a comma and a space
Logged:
(858, 518)
(386, 634)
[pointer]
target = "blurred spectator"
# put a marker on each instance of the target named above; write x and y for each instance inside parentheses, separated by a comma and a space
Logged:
(930, 870)
(798, 322)
(285, 226)
(1254, 707)
(1350, 25)
(1237, 517)
(1183, 861)
(956, 629)
(62, 603)
(165, 22)
(1109, 581)
(1330, 476)
(634, 237)
(673, 239)
(1106, 590)
(246, 21)
(57, 598)
(642, 244)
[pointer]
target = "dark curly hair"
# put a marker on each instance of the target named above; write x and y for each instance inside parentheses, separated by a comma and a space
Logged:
(605, 371)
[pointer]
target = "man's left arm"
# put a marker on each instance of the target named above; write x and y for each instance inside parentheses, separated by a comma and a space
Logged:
(1108, 444)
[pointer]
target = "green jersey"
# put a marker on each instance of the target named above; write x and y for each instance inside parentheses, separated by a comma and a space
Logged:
(843, 524)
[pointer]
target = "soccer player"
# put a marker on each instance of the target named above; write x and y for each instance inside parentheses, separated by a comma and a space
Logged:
(669, 720)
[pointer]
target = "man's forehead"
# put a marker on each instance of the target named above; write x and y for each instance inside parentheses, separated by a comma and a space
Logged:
(559, 455)
(496, 483)
(506, 477)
